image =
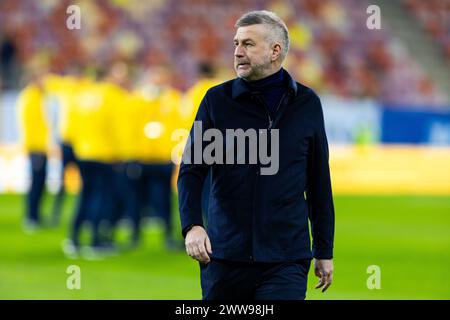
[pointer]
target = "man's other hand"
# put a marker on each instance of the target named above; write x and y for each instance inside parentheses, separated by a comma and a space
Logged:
(323, 269)
(198, 245)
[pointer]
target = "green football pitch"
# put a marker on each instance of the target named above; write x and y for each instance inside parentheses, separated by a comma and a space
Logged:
(407, 237)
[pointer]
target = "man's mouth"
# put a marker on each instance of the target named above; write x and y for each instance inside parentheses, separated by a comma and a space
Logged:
(243, 65)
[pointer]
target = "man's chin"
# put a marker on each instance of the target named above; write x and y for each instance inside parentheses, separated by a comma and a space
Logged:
(243, 74)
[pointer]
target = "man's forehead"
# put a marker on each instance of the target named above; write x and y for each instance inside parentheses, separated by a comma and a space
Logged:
(254, 32)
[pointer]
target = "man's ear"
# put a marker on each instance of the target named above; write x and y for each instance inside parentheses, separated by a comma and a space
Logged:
(276, 51)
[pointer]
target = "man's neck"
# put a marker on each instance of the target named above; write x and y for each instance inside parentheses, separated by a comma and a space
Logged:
(267, 74)
(272, 72)
(269, 80)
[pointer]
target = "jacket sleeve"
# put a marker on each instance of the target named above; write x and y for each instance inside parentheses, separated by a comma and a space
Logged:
(193, 172)
(319, 193)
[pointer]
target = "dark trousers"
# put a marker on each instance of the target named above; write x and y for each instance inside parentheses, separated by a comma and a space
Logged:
(126, 195)
(156, 192)
(67, 157)
(224, 280)
(38, 163)
(95, 202)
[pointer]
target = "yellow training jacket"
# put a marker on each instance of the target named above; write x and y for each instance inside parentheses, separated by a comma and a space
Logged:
(192, 99)
(160, 116)
(66, 90)
(94, 137)
(33, 123)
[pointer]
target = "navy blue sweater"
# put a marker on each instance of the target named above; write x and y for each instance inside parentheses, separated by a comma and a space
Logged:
(255, 217)
(271, 88)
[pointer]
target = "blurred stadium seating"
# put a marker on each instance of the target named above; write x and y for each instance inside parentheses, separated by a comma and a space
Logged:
(434, 16)
(332, 51)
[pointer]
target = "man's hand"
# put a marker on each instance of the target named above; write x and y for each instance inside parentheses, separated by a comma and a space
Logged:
(323, 269)
(198, 245)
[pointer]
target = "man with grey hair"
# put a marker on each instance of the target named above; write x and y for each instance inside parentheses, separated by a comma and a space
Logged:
(257, 242)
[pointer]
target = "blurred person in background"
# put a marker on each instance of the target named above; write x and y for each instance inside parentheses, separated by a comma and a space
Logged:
(65, 88)
(9, 64)
(125, 116)
(160, 116)
(34, 127)
(93, 145)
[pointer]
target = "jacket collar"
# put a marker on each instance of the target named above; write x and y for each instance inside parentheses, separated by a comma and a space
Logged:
(239, 86)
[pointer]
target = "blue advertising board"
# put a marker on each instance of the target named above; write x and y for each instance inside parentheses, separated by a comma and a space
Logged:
(415, 127)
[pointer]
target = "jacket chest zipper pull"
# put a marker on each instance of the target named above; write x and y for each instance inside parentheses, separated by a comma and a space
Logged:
(261, 101)
(278, 107)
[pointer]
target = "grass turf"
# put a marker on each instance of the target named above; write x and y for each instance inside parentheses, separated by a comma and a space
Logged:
(408, 237)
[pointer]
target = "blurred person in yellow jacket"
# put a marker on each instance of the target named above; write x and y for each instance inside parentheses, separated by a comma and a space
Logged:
(126, 108)
(93, 144)
(130, 170)
(160, 116)
(34, 129)
(193, 97)
(65, 88)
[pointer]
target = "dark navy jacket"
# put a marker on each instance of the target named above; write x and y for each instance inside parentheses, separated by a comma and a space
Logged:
(264, 218)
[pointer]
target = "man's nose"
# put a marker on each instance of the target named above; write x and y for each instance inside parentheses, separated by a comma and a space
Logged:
(238, 52)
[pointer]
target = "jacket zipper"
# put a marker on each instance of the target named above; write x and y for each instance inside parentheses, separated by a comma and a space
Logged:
(267, 109)
(281, 101)
(257, 172)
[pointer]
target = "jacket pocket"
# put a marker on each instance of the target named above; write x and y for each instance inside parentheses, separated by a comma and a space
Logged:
(289, 224)
(224, 228)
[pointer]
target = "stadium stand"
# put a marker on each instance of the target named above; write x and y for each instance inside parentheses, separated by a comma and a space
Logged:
(332, 50)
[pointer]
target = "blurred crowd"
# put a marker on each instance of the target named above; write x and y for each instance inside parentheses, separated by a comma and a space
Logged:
(121, 139)
(435, 18)
(331, 48)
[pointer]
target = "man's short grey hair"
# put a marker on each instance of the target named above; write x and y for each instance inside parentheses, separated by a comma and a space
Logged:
(278, 30)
